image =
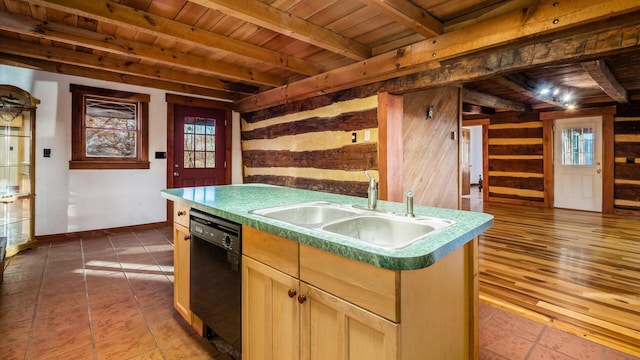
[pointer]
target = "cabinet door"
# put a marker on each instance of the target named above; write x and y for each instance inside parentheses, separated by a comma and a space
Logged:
(181, 245)
(270, 313)
(333, 329)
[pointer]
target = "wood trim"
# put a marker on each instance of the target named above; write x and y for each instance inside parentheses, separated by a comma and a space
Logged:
(608, 160)
(101, 232)
(471, 250)
(476, 122)
(197, 102)
(547, 161)
(485, 152)
(79, 159)
(586, 112)
(485, 162)
(390, 147)
(514, 201)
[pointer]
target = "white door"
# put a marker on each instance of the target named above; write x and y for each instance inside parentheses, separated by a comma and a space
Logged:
(578, 163)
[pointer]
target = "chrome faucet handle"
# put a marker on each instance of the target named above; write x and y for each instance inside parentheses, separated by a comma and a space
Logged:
(372, 192)
(410, 204)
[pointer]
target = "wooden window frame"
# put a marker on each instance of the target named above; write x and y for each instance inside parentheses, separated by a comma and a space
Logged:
(79, 160)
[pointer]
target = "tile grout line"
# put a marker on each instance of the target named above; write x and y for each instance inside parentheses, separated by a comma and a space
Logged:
(35, 308)
(146, 321)
(536, 341)
(86, 295)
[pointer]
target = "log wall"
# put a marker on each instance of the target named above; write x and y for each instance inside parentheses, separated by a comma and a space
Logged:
(308, 144)
(627, 158)
(517, 159)
(515, 150)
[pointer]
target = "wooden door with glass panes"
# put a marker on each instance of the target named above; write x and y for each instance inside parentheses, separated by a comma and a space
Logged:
(199, 147)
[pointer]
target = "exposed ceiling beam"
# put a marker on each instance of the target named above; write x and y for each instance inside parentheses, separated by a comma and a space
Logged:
(600, 73)
(523, 84)
(492, 101)
(274, 19)
(484, 14)
(474, 109)
(430, 53)
(66, 56)
(131, 18)
(112, 44)
(409, 15)
(91, 73)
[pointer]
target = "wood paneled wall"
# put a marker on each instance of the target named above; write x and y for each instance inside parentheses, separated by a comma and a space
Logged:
(308, 144)
(430, 153)
(627, 158)
(516, 167)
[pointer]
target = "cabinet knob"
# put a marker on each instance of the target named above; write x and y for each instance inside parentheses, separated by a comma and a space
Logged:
(182, 213)
(302, 299)
(292, 293)
(187, 237)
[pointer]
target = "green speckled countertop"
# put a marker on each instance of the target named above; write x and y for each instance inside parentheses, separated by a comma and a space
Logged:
(233, 202)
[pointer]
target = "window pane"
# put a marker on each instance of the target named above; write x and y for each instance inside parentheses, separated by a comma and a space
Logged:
(200, 159)
(188, 142)
(577, 146)
(200, 142)
(111, 143)
(211, 160)
(211, 143)
(188, 160)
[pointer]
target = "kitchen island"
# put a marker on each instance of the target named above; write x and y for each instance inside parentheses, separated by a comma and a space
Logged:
(309, 294)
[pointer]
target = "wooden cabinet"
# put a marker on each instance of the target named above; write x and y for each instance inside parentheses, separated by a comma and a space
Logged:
(270, 312)
(345, 309)
(181, 273)
(332, 328)
(181, 265)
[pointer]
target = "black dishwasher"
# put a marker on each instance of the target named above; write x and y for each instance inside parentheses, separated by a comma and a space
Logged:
(215, 280)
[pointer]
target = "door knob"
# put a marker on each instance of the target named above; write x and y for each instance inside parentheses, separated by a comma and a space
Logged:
(598, 171)
(175, 173)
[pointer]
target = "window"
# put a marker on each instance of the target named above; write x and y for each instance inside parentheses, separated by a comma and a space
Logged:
(199, 143)
(577, 146)
(109, 129)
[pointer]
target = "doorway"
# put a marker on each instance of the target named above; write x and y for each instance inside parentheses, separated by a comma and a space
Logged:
(578, 163)
(473, 157)
(199, 146)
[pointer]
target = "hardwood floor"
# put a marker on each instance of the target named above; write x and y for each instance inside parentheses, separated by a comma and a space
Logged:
(573, 270)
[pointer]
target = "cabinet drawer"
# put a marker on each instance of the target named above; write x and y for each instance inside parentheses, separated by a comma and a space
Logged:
(272, 250)
(370, 287)
(181, 214)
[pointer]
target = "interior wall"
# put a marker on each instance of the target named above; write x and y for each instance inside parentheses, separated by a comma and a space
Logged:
(516, 166)
(309, 144)
(81, 200)
(431, 155)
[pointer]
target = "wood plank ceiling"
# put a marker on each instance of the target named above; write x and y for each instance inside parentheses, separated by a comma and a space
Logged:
(260, 53)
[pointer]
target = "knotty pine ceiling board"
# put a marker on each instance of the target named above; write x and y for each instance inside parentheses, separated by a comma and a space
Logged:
(191, 13)
(166, 8)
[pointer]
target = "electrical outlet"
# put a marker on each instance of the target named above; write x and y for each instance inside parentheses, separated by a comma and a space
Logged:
(354, 137)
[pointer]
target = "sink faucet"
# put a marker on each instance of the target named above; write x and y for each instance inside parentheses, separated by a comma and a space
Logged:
(410, 204)
(372, 192)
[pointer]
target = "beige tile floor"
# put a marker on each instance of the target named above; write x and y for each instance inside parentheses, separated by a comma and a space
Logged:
(111, 298)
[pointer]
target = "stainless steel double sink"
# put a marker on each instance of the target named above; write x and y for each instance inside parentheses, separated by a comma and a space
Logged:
(381, 229)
